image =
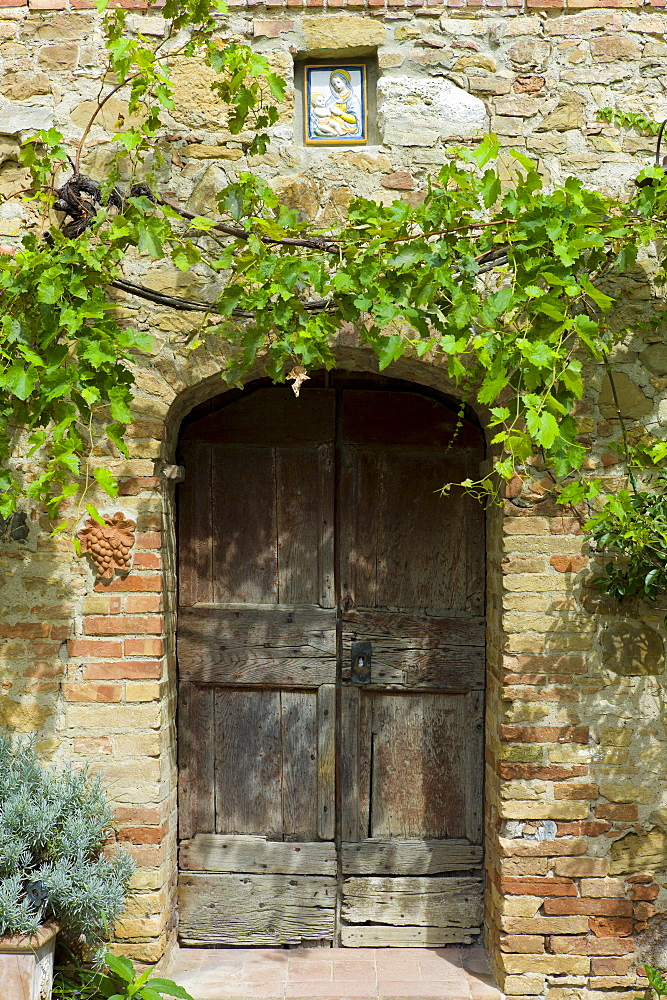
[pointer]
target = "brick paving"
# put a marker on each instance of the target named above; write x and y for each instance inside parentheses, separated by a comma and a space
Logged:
(334, 973)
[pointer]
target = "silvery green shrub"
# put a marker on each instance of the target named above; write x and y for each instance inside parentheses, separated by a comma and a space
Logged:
(54, 864)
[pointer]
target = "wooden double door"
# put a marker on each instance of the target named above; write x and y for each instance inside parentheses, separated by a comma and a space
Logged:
(331, 671)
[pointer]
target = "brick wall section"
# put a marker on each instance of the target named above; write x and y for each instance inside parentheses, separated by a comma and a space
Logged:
(118, 714)
(575, 805)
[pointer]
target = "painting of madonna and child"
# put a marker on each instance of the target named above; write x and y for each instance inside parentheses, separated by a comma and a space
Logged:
(335, 98)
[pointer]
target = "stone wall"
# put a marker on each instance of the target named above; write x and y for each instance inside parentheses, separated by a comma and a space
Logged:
(576, 805)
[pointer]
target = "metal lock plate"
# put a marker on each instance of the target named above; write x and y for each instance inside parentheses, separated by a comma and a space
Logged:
(361, 663)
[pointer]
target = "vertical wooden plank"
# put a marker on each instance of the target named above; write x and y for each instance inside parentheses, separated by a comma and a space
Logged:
(366, 747)
(326, 761)
(196, 807)
(474, 767)
(297, 525)
(243, 498)
(325, 550)
(422, 546)
(476, 556)
(248, 763)
(419, 761)
(361, 507)
(299, 751)
(194, 527)
(349, 764)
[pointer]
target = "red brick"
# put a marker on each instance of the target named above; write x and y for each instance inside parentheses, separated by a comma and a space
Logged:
(92, 692)
(146, 560)
(95, 647)
(123, 625)
(538, 886)
(149, 540)
(55, 669)
(610, 927)
(60, 632)
(13, 3)
(644, 911)
(26, 630)
(592, 907)
(529, 772)
(583, 828)
(143, 834)
(271, 29)
(610, 810)
(131, 582)
(130, 487)
(645, 891)
(544, 734)
(130, 670)
(575, 791)
(610, 966)
(143, 603)
(147, 815)
(568, 564)
(571, 945)
(144, 647)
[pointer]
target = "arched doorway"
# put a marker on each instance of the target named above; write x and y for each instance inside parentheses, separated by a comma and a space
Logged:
(331, 668)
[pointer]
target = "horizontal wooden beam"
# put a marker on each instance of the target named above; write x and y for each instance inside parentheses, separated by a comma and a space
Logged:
(273, 645)
(255, 909)
(214, 852)
(425, 902)
(424, 652)
(410, 857)
(382, 936)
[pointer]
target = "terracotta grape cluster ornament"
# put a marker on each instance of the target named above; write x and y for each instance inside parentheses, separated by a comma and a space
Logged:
(108, 544)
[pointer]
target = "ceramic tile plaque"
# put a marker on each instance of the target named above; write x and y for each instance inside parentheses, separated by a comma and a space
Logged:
(335, 105)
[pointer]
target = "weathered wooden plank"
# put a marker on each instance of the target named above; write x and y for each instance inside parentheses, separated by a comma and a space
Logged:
(248, 765)
(279, 645)
(299, 750)
(473, 767)
(359, 502)
(433, 902)
(325, 550)
(255, 909)
(216, 853)
(298, 525)
(379, 936)
(417, 631)
(349, 763)
(196, 759)
(194, 527)
(418, 651)
(409, 857)
(243, 498)
(270, 416)
(326, 761)
(421, 736)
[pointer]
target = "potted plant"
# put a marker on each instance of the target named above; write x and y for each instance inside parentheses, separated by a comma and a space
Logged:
(55, 872)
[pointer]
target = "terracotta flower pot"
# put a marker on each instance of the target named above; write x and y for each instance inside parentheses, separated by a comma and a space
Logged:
(26, 965)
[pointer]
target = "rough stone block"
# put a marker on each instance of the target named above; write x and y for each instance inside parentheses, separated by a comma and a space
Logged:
(417, 112)
(344, 32)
